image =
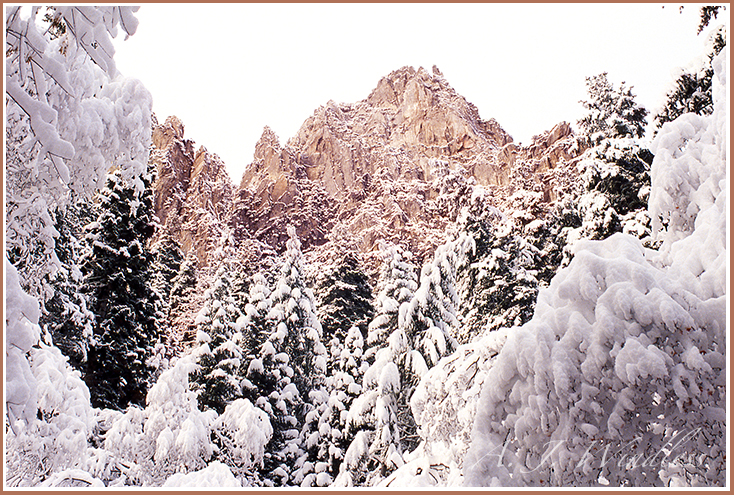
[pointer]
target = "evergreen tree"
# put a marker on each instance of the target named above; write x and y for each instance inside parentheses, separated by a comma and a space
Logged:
(326, 423)
(397, 284)
(255, 328)
(692, 92)
(617, 168)
(219, 356)
(290, 371)
(168, 259)
(429, 320)
(708, 12)
(612, 113)
(380, 426)
(298, 331)
(66, 316)
(497, 279)
(344, 300)
(267, 383)
(119, 281)
(183, 289)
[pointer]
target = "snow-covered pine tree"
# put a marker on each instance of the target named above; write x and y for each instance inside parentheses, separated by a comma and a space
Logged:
(612, 113)
(344, 299)
(267, 384)
(692, 90)
(269, 381)
(298, 334)
(167, 264)
(497, 280)
(66, 316)
(255, 329)
(429, 319)
(218, 335)
(397, 283)
(290, 371)
(183, 291)
(344, 309)
(373, 432)
(119, 280)
(617, 167)
(297, 328)
(326, 424)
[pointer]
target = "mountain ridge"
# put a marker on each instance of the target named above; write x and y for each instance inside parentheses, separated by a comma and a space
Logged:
(396, 166)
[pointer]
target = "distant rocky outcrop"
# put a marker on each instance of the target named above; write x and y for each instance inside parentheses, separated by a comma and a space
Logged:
(192, 190)
(396, 166)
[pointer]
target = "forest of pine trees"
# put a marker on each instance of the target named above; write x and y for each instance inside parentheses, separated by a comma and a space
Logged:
(292, 377)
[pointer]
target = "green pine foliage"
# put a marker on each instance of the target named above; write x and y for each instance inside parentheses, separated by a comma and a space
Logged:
(498, 280)
(326, 439)
(611, 113)
(183, 289)
(66, 316)
(344, 299)
(297, 329)
(616, 183)
(380, 426)
(692, 92)
(168, 260)
(118, 279)
(220, 355)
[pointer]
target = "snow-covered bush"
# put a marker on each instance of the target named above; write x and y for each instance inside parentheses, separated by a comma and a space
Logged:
(215, 475)
(170, 435)
(619, 378)
(444, 405)
(241, 434)
(57, 439)
(21, 333)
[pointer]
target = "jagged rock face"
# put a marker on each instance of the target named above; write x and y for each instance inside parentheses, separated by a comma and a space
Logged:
(398, 166)
(192, 192)
(394, 166)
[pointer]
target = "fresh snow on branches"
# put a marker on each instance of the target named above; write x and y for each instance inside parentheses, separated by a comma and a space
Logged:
(625, 355)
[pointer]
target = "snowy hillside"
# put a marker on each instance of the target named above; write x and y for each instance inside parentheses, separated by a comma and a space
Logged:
(399, 296)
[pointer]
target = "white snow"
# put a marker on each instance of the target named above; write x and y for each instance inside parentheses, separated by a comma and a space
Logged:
(646, 316)
(214, 475)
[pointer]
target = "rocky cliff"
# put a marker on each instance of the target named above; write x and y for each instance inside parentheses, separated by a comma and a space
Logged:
(192, 190)
(398, 165)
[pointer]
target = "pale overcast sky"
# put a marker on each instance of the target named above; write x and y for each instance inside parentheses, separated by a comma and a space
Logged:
(227, 70)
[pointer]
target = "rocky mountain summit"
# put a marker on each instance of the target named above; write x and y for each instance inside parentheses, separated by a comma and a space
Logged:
(398, 166)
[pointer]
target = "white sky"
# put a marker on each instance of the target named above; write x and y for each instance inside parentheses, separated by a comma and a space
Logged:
(227, 70)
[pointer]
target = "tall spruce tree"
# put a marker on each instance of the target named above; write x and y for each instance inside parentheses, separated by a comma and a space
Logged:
(344, 299)
(617, 168)
(326, 440)
(611, 113)
(297, 328)
(66, 316)
(255, 328)
(219, 353)
(183, 290)
(379, 426)
(168, 260)
(497, 280)
(119, 282)
(290, 371)
(267, 384)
